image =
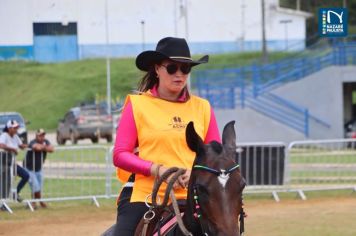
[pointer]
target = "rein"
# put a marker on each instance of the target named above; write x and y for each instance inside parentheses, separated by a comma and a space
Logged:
(150, 214)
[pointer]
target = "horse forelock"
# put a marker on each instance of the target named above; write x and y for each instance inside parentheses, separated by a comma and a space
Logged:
(215, 155)
(216, 146)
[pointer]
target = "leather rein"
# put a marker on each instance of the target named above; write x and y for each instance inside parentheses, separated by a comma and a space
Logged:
(176, 172)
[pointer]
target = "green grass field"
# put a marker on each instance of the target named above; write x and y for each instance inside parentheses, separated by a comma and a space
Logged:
(67, 187)
(322, 166)
(42, 93)
(75, 171)
(346, 156)
(69, 154)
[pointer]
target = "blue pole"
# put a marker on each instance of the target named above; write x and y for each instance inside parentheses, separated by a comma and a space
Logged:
(242, 93)
(306, 123)
(232, 95)
(255, 78)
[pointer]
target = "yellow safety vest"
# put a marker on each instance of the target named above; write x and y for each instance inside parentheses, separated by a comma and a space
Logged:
(160, 128)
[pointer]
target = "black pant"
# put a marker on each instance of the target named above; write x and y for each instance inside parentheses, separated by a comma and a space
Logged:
(24, 177)
(128, 214)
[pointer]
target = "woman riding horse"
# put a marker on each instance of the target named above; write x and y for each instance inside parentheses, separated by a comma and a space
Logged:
(154, 122)
(214, 200)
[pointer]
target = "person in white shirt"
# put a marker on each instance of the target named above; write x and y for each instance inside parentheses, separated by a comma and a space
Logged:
(11, 143)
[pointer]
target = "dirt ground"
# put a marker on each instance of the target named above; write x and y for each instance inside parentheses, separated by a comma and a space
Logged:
(265, 217)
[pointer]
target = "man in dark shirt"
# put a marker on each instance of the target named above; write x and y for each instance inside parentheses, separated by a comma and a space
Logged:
(35, 158)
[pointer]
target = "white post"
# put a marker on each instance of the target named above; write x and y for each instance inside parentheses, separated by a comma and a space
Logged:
(143, 34)
(243, 6)
(186, 21)
(187, 34)
(175, 18)
(108, 86)
(264, 43)
(286, 22)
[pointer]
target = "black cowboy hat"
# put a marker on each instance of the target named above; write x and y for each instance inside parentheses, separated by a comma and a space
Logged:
(175, 49)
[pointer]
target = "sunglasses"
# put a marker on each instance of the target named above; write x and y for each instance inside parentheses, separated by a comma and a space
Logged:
(173, 68)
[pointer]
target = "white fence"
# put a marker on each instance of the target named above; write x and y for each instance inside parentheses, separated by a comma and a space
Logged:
(70, 173)
(301, 166)
(322, 164)
(7, 185)
(86, 172)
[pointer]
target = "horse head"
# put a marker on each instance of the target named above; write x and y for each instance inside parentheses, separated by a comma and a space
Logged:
(215, 188)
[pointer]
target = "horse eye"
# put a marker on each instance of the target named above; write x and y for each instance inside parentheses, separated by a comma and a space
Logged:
(202, 191)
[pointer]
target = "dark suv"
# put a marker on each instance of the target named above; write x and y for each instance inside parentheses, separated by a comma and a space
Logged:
(89, 121)
(22, 131)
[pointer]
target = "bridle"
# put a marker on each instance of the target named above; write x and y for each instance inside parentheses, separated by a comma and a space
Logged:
(216, 172)
(149, 215)
(197, 208)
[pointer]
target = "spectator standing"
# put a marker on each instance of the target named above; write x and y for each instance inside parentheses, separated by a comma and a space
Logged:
(10, 142)
(35, 158)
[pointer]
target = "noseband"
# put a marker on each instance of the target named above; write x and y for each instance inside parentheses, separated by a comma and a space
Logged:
(223, 174)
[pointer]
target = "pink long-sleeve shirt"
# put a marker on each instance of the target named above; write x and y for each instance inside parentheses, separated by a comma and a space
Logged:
(126, 141)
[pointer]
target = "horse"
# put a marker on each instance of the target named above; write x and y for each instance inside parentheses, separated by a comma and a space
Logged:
(214, 199)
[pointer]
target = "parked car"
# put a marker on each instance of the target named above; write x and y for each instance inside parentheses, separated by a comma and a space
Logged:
(22, 131)
(89, 121)
(350, 132)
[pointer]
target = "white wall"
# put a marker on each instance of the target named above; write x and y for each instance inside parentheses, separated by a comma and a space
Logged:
(15, 23)
(208, 20)
(276, 30)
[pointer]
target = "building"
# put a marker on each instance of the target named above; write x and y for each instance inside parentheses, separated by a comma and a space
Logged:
(62, 30)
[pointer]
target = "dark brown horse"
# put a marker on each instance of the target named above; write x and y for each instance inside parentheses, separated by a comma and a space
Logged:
(214, 200)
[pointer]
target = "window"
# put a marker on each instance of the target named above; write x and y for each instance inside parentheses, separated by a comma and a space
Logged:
(54, 29)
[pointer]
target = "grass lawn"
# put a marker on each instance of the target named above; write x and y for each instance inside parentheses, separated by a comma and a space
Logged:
(44, 92)
(67, 187)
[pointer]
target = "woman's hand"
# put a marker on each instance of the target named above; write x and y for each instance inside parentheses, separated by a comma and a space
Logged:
(161, 171)
(182, 181)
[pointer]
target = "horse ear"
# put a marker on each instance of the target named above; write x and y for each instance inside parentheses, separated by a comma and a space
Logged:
(229, 135)
(193, 140)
